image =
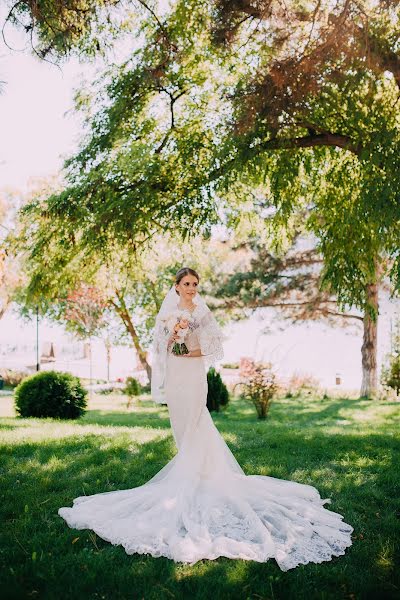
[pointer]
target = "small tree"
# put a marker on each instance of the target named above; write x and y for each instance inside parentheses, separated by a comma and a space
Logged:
(390, 376)
(132, 389)
(217, 394)
(84, 313)
(258, 384)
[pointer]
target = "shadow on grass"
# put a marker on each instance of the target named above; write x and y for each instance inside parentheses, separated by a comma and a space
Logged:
(90, 463)
(43, 558)
(39, 479)
(316, 413)
(330, 410)
(8, 426)
(128, 419)
(77, 563)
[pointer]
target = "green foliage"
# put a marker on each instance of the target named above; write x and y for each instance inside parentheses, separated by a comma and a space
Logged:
(391, 374)
(83, 27)
(217, 394)
(147, 150)
(348, 449)
(258, 385)
(51, 394)
(184, 131)
(348, 186)
(290, 280)
(132, 387)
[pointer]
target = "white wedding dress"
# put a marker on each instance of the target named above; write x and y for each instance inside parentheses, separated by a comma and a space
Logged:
(201, 505)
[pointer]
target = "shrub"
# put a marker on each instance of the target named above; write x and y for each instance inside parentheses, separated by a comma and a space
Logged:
(386, 393)
(105, 391)
(51, 394)
(12, 378)
(390, 377)
(217, 394)
(302, 384)
(146, 388)
(132, 389)
(258, 385)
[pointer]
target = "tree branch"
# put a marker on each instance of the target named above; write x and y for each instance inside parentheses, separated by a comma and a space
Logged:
(323, 139)
(264, 304)
(173, 99)
(308, 141)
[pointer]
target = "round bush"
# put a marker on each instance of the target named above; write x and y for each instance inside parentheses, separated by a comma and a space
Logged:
(51, 394)
(132, 387)
(217, 394)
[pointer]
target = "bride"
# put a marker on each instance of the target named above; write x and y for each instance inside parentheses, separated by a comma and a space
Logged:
(201, 505)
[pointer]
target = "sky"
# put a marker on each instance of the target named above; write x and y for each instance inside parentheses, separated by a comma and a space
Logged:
(38, 129)
(37, 124)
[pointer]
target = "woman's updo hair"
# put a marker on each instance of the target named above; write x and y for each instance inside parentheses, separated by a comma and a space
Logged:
(181, 274)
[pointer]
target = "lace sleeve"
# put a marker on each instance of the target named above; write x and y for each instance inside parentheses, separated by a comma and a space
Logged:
(161, 336)
(211, 337)
(160, 349)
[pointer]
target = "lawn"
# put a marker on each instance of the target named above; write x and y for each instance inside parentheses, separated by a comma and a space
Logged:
(348, 449)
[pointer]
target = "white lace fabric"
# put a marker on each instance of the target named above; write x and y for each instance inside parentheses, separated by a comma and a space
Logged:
(205, 333)
(201, 504)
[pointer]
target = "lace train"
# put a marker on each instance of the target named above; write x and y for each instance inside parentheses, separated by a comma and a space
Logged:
(201, 505)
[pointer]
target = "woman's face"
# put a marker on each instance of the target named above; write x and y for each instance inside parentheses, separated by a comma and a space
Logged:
(187, 287)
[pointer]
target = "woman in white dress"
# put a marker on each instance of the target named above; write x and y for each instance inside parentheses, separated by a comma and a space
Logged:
(201, 504)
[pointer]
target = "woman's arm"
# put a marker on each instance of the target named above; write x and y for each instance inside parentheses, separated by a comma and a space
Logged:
(173, 338)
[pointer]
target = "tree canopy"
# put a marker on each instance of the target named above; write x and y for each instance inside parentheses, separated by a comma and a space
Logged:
(288, 107)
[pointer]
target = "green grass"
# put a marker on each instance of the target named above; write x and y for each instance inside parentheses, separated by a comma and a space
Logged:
(347, 449)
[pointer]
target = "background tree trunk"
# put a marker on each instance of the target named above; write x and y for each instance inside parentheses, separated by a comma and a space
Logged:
(107, 345)
(370, 346)
(135, 338)
(123, 312)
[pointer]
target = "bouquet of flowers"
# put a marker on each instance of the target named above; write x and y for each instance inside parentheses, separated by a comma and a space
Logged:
(181, 323)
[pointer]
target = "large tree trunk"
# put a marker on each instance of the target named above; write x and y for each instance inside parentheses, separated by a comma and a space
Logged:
(369, 347)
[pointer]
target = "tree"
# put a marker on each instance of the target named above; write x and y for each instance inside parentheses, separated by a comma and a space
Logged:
(223, 98)
(130, 283)
(258, 385)
(83, 312)
(277, 103)
(85, 27)
(316, 123)
(10, 271)
(291, 282)
(391, 371)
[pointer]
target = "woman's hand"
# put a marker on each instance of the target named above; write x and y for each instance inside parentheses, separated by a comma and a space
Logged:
(193, 353)
(173, 338)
